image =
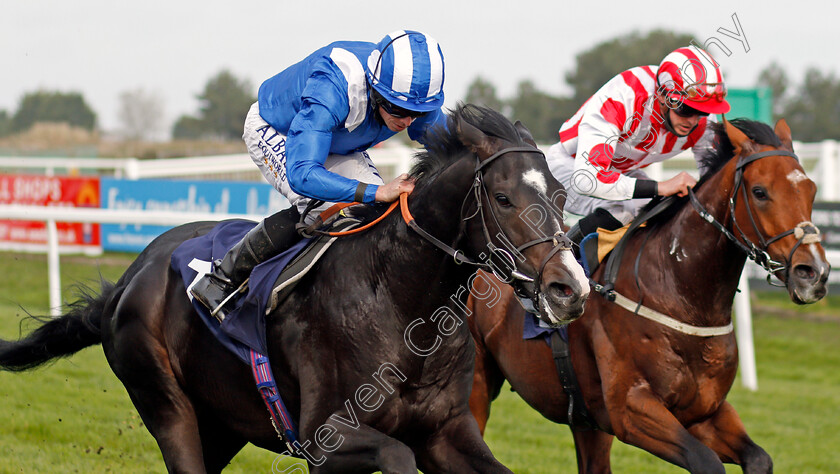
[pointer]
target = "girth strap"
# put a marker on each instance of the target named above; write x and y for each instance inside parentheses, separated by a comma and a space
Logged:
(279, 415)
(579, 417)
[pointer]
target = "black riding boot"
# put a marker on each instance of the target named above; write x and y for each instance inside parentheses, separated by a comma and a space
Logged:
(590, 223)
(270, 237)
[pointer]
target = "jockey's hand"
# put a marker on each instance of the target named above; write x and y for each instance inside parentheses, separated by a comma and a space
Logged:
(678, 185)
(391, 191)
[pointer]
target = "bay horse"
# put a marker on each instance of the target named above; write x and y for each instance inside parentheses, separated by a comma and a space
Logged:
(650, 385)
(369, 352)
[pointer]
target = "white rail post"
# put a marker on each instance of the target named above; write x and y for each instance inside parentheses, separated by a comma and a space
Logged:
(828, 171)
(744, 335)
(53, 269)
(655, 171)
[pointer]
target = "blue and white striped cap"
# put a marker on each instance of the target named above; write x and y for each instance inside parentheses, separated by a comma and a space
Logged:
(407, 69)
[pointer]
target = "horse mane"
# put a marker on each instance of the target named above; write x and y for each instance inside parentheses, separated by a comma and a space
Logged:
(714, 157)
(443, 147)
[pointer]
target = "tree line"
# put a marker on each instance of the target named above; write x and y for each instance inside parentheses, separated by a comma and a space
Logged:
(812, 108)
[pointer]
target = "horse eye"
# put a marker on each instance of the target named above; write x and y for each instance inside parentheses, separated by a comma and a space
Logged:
(760, 193)
(503, 200)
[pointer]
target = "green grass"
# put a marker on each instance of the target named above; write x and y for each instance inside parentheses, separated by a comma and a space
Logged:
(75, 416)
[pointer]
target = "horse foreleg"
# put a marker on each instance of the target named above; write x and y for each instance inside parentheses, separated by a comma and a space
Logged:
(458, 448)
(593, 451)
(337, 447)
(725, 434)
(487, 382)
(642, 421)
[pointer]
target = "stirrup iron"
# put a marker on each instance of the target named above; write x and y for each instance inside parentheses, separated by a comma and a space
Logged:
(217, 312)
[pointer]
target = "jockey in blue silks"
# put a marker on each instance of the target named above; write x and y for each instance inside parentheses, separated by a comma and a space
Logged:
(310, 127)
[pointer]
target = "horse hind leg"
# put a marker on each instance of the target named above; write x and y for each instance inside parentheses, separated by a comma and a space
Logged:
(136, 350)
(171, 420)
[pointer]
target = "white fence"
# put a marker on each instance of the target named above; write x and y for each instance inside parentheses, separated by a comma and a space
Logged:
(103, 216)
(391, 160)
(820, 160)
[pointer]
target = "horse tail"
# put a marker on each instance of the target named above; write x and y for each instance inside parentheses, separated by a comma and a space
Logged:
(59, 337)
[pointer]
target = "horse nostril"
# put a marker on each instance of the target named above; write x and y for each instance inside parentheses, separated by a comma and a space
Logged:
(562, 290)
(805, 272)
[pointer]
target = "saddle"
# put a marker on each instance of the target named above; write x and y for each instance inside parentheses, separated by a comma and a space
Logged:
(596, 246)
(270, 282)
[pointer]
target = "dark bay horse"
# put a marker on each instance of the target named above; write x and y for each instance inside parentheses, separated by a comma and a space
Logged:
(370, 352)
(651, 385)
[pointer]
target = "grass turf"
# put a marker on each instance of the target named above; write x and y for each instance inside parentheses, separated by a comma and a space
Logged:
(75, 415)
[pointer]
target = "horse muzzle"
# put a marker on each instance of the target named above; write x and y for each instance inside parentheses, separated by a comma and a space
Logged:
(563, 291)
(807, 278)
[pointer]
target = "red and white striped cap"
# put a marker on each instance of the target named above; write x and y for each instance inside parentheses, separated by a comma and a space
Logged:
(691, 76)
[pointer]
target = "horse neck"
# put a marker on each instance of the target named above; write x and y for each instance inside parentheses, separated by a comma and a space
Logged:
(697, 253)
(428, 276)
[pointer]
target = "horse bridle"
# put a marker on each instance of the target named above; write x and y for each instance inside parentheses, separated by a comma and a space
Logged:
(510, 275)
(805, 232)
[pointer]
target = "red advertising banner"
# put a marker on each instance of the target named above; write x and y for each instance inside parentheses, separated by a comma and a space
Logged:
(70, 191)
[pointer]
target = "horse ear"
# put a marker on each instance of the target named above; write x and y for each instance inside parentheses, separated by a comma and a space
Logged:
(783, 132)
(525, 134)
(474, 139)
(742, 143)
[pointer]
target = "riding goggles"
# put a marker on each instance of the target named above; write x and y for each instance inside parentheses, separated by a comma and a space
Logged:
(399, 112)
(392, 109)
(704, 91)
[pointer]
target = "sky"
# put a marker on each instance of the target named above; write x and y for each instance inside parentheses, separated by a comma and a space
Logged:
(171, 48)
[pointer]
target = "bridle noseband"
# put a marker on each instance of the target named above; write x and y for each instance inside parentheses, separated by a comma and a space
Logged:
(805, 232)
(511, 275)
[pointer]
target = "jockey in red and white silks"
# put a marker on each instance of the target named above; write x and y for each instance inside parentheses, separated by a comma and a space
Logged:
(644, 115)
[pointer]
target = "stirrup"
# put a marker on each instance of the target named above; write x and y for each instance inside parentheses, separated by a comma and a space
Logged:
(217, 312)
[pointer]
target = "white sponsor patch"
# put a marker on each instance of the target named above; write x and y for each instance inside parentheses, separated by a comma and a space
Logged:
(536, 179)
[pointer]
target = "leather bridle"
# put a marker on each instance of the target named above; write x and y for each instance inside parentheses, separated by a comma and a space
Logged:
(508, 272)
(805, 232)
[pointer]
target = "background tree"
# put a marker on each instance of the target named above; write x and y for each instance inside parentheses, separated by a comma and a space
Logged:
(814, 111)
(5, 123)
(45, 106)
(224, 103)
(189, 128)
(774, 77)
(597, 65)
(541, 112)
(482, 92)
(141, 114)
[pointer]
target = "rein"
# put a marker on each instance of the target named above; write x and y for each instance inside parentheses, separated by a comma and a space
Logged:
(511, 275)
(805, 232)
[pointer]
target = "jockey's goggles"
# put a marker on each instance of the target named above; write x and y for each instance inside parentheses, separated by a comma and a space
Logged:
(399, 112)
(703, 91)
(393, 110)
